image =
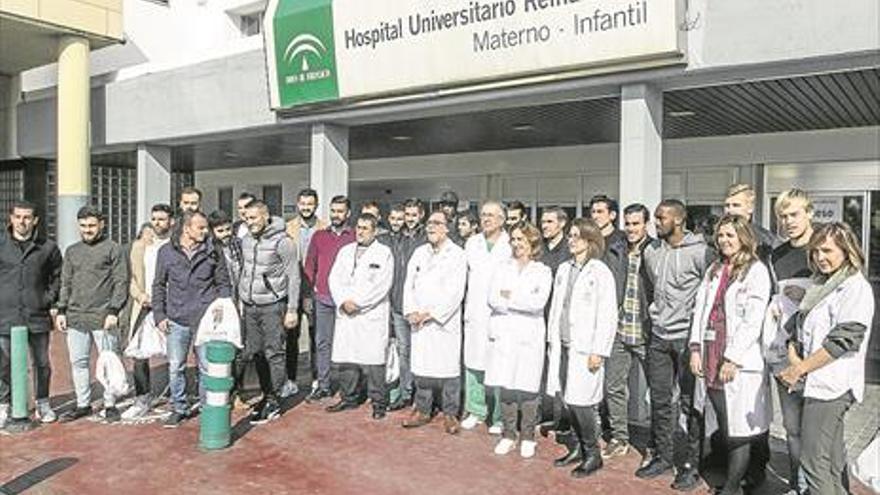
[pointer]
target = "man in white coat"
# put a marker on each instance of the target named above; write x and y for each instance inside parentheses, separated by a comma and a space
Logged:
(484, 251)
(432, 294)
(359, 283)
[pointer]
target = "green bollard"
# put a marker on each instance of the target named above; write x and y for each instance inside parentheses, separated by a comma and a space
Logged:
(215, 430)
(19, 338)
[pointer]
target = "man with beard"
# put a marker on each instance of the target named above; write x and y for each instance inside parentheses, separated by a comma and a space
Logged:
(324, 246)
(300, 229)
(94, 286)
(449, 206)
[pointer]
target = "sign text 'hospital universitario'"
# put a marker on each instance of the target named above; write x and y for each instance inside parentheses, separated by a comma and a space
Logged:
(321, 51)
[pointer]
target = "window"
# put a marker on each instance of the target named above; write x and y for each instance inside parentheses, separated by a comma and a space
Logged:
(250, 24)
(272, 198)
(224, 201)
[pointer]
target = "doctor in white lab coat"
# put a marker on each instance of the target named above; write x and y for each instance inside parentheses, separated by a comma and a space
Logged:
(432, 295)
(359, 282)
(484, 251)
(726, 351)
(517, 337)
(581, 329)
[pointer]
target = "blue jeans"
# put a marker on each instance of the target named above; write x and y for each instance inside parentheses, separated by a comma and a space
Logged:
(325, 321)
(180, 339)
(79, 347)
(404, 343)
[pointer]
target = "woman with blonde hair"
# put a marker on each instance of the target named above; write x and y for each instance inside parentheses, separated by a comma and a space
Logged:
(581, 328)
(517, 333)
(725, 342)
(827, 351)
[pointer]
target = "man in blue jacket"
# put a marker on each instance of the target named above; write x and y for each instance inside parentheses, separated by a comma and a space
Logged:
(190, 275)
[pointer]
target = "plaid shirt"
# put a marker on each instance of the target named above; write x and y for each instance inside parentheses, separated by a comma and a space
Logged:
(630, 325)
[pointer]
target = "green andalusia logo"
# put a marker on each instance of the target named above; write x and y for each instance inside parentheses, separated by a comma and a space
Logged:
(305, 52)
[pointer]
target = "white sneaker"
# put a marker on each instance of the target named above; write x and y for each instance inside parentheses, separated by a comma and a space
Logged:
(45, 413)
(4, 415)
(495, 430)
(527, 449)
(289, 389)
(139, 409)
(504, 446)
(471, 422)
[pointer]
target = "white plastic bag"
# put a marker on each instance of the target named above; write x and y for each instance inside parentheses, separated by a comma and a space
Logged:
(392, 362)
(867, 466)
(110, 371)
(226, 327)
(147, 341)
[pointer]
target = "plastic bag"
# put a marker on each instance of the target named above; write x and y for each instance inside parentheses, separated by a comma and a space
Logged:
(148, 341)
(392, 362)
(867, 466)
(225, 327)
(110, 371)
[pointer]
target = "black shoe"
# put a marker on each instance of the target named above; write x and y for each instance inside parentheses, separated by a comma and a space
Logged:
(686, 479)
(572, 456)
(268, 412)
(378, 412)
(111, 415)
(655, 468)
(318, 395)
(78, 413)
(257, 410)
(400, 403)
(342, 405)
(546, 427)
(592, 462)
(174, 420)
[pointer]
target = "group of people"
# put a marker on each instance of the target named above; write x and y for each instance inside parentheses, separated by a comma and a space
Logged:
(489, 317)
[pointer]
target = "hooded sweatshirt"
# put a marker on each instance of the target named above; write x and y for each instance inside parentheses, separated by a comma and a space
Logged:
(672, 276)
(270, 267)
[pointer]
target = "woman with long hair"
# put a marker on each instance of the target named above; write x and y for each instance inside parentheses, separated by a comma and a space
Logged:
(827, 350)
(517, 335)
(725, 342)
(581, 328)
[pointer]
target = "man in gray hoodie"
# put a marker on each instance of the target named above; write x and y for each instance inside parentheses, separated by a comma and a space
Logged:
(672, 267)
(268, 290)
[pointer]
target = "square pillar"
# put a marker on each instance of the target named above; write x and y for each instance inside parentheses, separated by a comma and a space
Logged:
(153, 179)
(329, 164)
(641, 146)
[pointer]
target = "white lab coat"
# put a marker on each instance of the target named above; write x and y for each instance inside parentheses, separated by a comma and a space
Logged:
(851, 302)
(517, 332)
(362, 338)
(481, 264)
(435, 284)
(593, 316)
(747, 396)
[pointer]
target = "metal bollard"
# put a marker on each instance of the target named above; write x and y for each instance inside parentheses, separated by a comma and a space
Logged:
(19, 419)
(215, 423)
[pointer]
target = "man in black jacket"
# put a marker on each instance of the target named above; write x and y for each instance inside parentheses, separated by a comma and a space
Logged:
(30, 277)
(94, 288)
(190, 275)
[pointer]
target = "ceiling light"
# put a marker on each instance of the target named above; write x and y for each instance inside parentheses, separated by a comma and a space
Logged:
(523, 127)
(230, 154)
(401, 138)
(682, 113)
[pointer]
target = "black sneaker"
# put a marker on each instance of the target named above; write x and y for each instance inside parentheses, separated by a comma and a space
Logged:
(174, 420)
(111, 415)
(78, 413)
(318, 395)
(269, 412)
(257, 410)
(686, 479)
(653, 469)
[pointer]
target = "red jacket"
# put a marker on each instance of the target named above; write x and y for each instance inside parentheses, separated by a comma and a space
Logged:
(321, 255)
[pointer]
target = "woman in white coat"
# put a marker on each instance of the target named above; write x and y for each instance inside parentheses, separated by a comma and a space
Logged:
(581, 329)
(725, 342)
(830, 334)
(359, 283)
(517, 335)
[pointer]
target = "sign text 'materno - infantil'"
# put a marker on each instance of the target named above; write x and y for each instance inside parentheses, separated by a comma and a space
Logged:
(327, 50)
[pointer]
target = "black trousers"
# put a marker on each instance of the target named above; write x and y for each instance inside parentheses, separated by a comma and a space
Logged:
(265, 337)
(448, 388)
(584, 424)
(141, 371)
(738, 448)
(352, 377)
(668, 365)
(42, 370)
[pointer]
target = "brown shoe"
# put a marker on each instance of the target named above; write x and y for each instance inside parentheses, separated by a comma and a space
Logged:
(416, 419)
(450, 424)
